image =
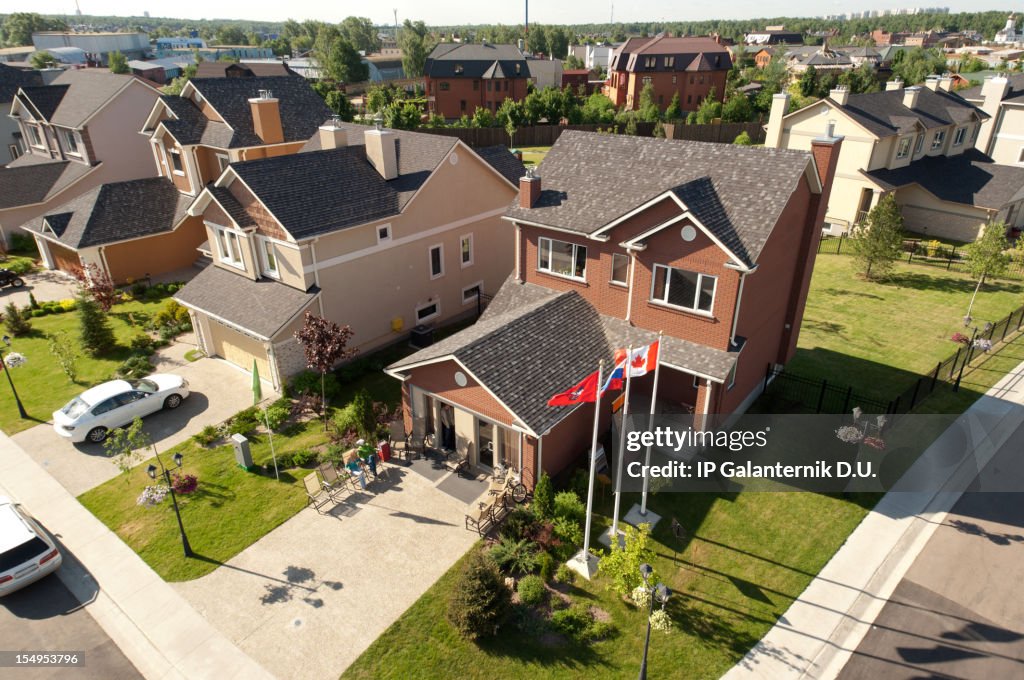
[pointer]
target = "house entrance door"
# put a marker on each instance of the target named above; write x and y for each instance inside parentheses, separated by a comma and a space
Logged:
(486, 442)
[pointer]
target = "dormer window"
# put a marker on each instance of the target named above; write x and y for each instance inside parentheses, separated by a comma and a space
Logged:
(670, 62)
(904, 148)
(650, 62)
(70, 140)
(458, 69)
(34, 138)
(229, 248)
(920, 144)
(175, 154)
(958, 139)
(269, 256)
(519, 69)
(938, 139)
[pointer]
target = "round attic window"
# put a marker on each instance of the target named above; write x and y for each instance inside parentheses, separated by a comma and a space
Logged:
(824, 110)
(688, 233)
(460, 379)
(454, 158)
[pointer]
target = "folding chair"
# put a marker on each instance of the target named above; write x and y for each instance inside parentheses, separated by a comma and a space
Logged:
(316, 494)
(331, 481)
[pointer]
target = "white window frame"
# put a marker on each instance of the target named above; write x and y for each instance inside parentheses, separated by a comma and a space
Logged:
(267, 245)
(611, 278)
(224, 237)
(903, 148)
(223, 161)
(465, 238)
(479, 286)
(14, 150)
(959, 136)
(386, 228)
(35, 136)
(938, 140)
(696, 296)
(176, 152)
(731, 378)
(69, 137)
(919, 144)
(430, 260)
(575, 257)
(437, 311)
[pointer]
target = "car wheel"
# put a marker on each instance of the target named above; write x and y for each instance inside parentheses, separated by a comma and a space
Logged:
(17, 283)
(97, 435)
(173, 401)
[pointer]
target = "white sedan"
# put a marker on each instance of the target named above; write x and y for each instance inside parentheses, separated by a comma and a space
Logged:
(94, 413)
(27, 553)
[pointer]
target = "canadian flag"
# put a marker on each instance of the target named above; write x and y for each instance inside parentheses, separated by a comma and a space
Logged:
(641, 360)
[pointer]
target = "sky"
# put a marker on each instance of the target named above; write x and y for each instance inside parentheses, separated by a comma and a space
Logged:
(447, 12)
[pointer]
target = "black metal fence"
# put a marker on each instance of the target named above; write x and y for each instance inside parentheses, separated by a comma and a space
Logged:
(821, 396)
(918, 251)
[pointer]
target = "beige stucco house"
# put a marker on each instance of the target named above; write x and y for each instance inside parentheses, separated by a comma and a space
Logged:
(79, 132)
(381, 230)
(917, 143)
(1002, 135)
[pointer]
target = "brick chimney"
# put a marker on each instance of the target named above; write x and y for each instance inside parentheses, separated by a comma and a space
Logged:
(780, 105)
(529, 189)
(332, 135)
(382, 152)
(910, 96)
(825, 150)
(266, 118)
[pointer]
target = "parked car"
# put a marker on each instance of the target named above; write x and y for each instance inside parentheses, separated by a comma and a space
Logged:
(94, 413)
(27, 553)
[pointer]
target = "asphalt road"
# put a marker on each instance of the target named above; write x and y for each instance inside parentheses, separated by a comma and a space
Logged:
(958, 612)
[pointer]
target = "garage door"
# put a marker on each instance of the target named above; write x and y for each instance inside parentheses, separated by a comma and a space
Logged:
(239, 349)
(64, 259)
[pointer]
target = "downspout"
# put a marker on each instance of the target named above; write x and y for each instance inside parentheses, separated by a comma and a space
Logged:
(736, 312)
(103, 259)
(275, 371)
(540, 456)
(629, 296)
(707, 406)
(316, 274)
(519, 273)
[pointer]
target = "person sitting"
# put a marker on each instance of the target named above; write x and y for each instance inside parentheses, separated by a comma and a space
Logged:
(354, 466)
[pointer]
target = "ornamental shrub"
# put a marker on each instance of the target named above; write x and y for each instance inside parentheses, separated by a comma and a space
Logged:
(514, 557)
(135, 367)
(622, 563)
(531, 590)
(543, 497)
(184, 484)
(569, 506)
(16, 321)
(545, 565)
(565, 575)
(480, 601)
(521, 523)
(95, 332)
(309, 381)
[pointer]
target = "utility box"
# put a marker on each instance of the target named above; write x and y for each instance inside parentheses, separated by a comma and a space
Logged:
(242, 454)
(421, 336)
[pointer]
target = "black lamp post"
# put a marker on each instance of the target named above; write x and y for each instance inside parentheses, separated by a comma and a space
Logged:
(658, 592)
(7, 370)
(151, 471)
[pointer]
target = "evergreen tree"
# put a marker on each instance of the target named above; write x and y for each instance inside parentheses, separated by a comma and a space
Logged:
(95, 332)
(808, 82)
(674, 110)
(480, 600)
(117, 62)
(648, 111)
(876, 243)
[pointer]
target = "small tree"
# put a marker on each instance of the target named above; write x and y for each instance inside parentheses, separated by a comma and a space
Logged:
(117, 62)
(544, 497)
(876, 243)
(743, 139)
(16, 321)
(41, 60)
(125, 444)
(631, 126)
(480, 600)
(622, 564)
(808, 82)
(675, 109)
(988, 256)
(364, 415)
(95, 333)
(324, 343)
(64, 352)
(98, 285)
(648, 111)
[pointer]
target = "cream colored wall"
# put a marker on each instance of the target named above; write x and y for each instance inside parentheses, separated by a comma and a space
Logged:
(465, 433)
(925, 214)
(124, 153)
(388, 281)
(1009, 138)
(290, 265)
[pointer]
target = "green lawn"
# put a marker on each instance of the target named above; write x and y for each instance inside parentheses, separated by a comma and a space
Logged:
(533, 155)
(879, 336)
(42, 385)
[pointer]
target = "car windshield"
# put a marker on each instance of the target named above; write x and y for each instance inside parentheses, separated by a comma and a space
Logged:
(144, 385)
(20, 554)
(75, 408)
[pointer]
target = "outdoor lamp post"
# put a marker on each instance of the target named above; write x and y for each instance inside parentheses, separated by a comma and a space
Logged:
(7, 370)
(659, 592)
(152, 471)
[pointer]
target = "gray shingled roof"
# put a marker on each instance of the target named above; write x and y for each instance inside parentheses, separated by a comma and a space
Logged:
(12, 78)
(317, 192)
(534, 342)
(219, 69)
(32, 179)
(499, 158)
(687, 53)
(190, 126)
(971, 178)
(302, 109)
(231, 206)
(262, 307)
(884, 114)
(87, 91)
(738, 193)
(476, 61)
(1015, 92)
(116, 212)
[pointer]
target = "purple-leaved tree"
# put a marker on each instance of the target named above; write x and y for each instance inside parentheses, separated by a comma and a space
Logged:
(325, 344)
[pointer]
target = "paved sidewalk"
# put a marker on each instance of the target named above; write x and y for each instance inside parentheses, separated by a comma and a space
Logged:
(156, 628)
(819, 632)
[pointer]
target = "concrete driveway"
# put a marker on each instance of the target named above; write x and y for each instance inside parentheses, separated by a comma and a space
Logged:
(44, 286)
(218, 391)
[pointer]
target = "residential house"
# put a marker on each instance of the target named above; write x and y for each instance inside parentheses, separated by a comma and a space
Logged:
(460, 78)
(823, 59)
(1001, 96)
(133, 230)
(11, 79)
(918, 143)
(381, 230)
(763, 57)
(621, 238)
(545, 72)
(78, 132)
(230, 69)
(576, 78)
(691, 67)
(863, 55)
(774, 36)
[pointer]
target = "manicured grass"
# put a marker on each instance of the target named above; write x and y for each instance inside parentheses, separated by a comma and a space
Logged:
(533, 155)
(748, 557)
(41, 383)
(879, 336)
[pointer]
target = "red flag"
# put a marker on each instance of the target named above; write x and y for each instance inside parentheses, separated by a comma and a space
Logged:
(584, 391)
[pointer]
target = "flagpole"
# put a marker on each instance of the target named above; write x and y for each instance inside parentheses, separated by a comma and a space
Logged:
(613, 533)
(584, 554)
(650, 427)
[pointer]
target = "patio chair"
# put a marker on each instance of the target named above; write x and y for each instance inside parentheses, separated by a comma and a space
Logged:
(399, 439)
(458, 461)
(330, 480)
(316, 494)
(481, 519)
(499, 485)
(500, 507)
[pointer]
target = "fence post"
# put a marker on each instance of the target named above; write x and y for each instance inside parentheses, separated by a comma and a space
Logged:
(895, 405)
(839, 249)
(911, 257)
(935, 378)
(1020, 319)
(821, 395)
(952, 254)
(1006, 327)
(846, 401)
(967, 360)
(952, 368)
(913, 397)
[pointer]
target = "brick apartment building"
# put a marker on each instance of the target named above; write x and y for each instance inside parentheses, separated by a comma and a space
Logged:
(690, 66)
(460, 78)
(621, 238)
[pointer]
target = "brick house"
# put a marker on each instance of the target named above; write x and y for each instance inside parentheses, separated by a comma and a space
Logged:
(460, 78)
(690, 66)
(362, 228)
(141, 228)
(621, 238)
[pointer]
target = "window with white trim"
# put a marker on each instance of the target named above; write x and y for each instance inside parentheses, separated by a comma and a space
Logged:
(268, 253)
(14, 150)
(223, 161)
(229, 248)
(34, 136)
(620, 269)
(383, 233)
(70, 142)
(428, 311)
(904, 148)
(436, 261)
(731, 379)
(175, 154)
(683, 289)
(958, 139)
(562, 258)
(466, 250)
(938, 139)
(472, 293)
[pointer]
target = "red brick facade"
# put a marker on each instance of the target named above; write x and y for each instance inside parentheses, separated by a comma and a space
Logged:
(624, 88)
(454, 96)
